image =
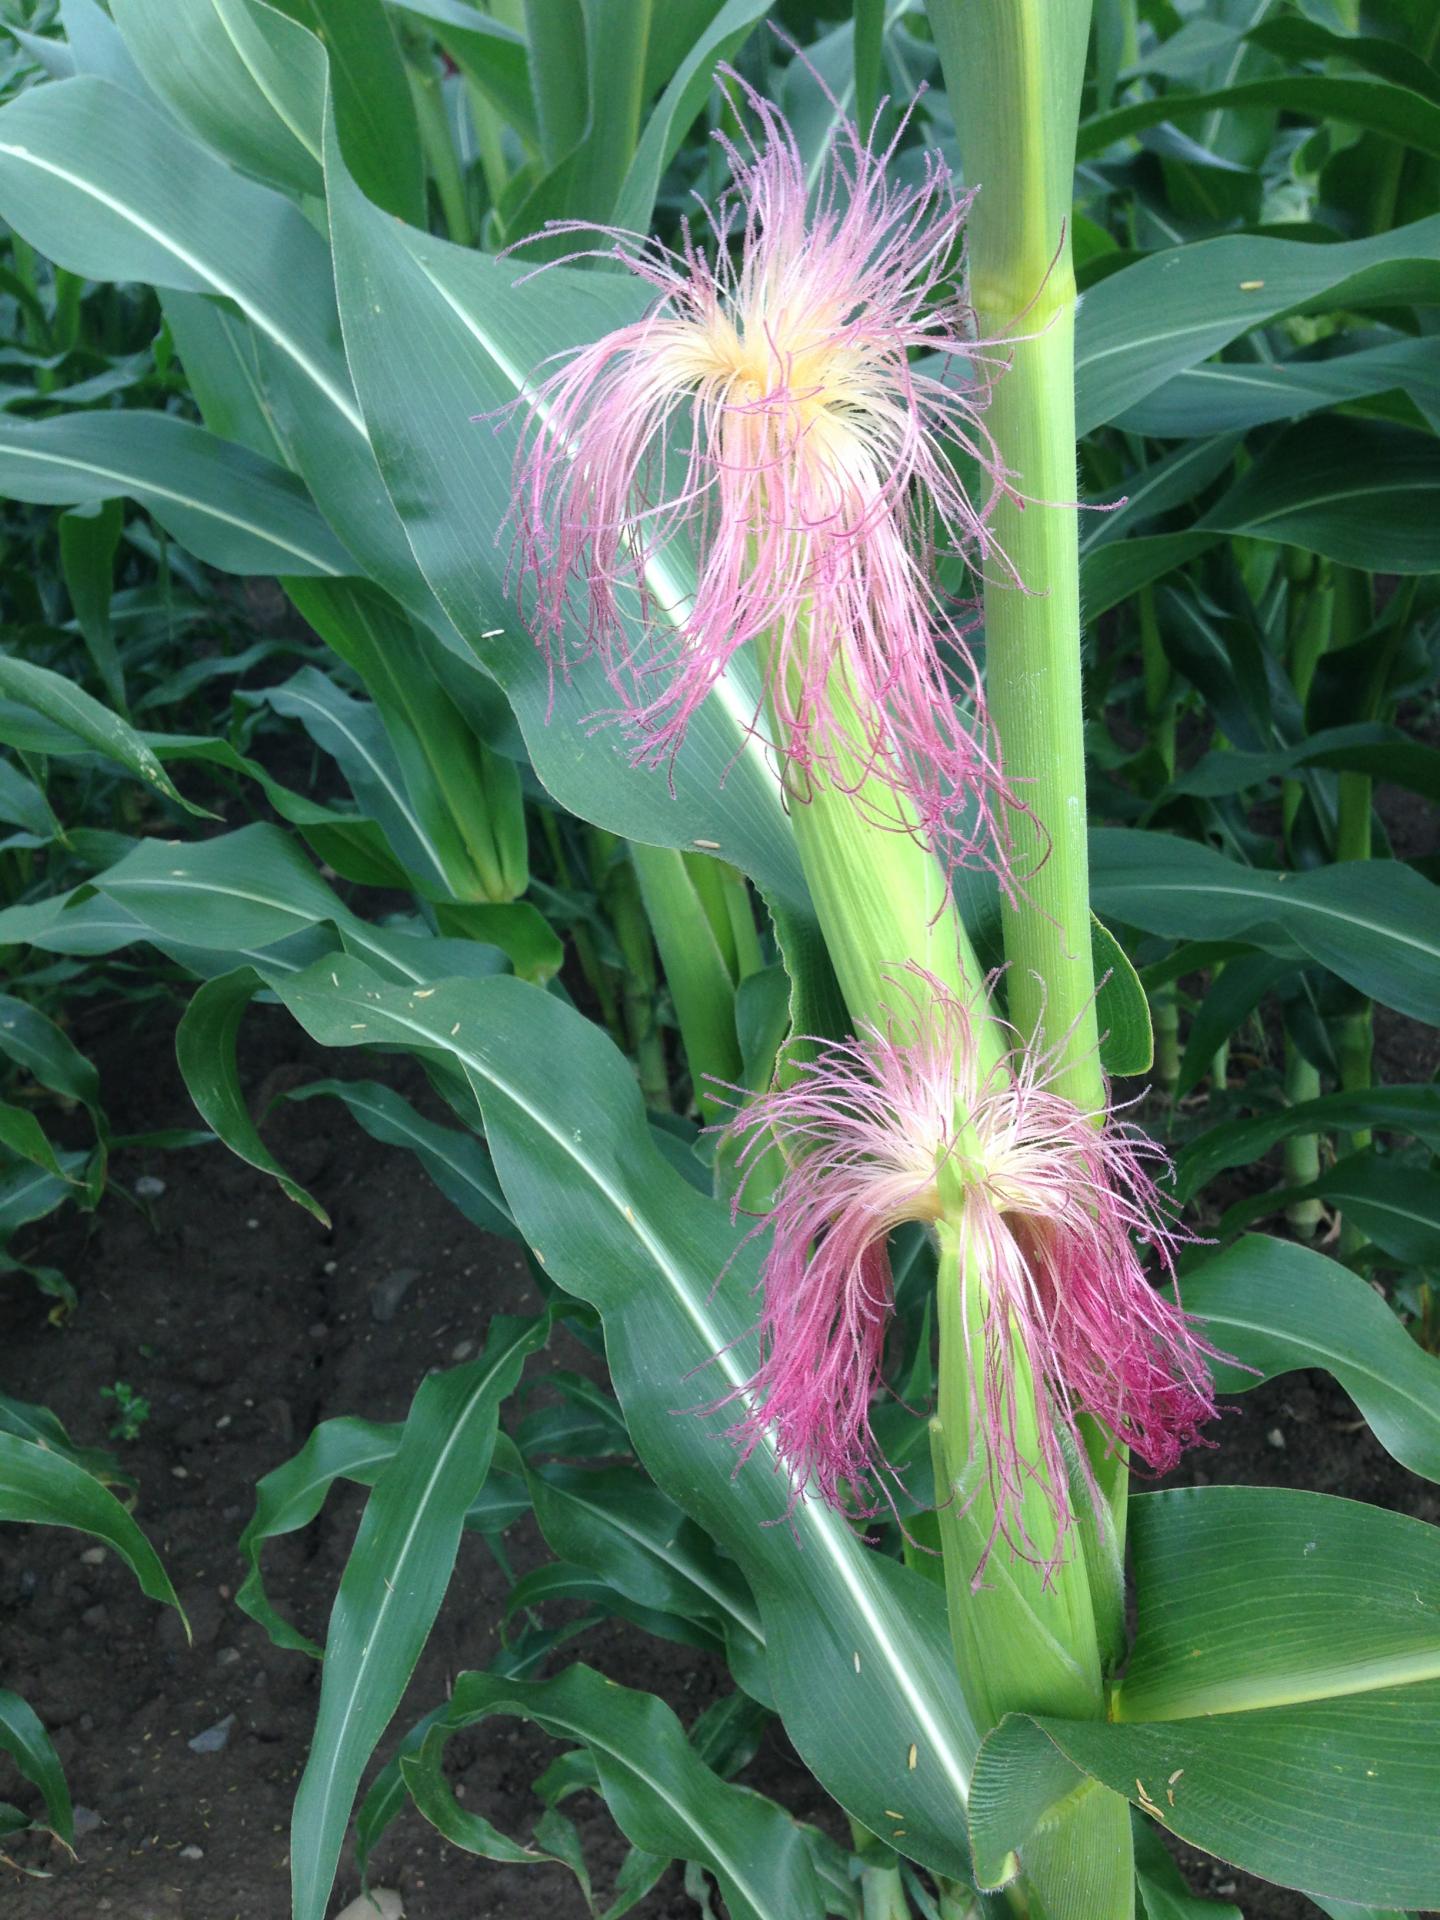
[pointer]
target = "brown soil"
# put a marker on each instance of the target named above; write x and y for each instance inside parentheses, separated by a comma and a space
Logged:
(244, 1322)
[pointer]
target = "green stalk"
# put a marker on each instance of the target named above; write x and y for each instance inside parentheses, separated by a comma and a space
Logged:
(1165, 1018)
(1220, 1067)
(1302, 1150)
(1311, 611)
(882, 1891)
(1013, 69)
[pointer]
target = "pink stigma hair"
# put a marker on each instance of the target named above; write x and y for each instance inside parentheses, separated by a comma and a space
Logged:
(1050, 1204)
(763, 458)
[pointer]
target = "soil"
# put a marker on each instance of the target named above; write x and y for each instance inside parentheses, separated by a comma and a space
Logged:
(244, 1321)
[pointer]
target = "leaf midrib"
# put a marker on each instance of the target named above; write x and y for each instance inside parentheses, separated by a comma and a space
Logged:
(139, 483)
(1248, 1695)
(269, 327)
(1289, 902)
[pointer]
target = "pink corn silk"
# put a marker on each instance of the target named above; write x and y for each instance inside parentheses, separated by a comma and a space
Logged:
(765, 423)
(1052, 1205)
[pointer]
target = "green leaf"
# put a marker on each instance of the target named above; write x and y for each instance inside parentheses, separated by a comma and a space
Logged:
(1163, 1893)
(1347, 1910)
(351, 732)
(1111, 573)
(87, 175)
(1298, 1688)
(379, 132)
(226, 505)
(1375, 923)
(39, 1424)
(493, 58)
(50, 1490)
(468, 799)
(558, 73)
(28, 1193)
(858, 1646)
(205, 1048)
(1375, 105)
(1276, 1307)
(515, 928)
(1127, 1045)
(1239, 1143)
(1295, 39)
(1394, 1205)
(33, 1752)
(290, 1496)
(1365, 747)
(23, 1135)
(1332, 1796)
(392, 1587)
(1254, 1597)
(240, 894)
(456, 1162)
(89, 540)
(612, 1522)
(696, 973)
(1236, 395)
(476, 335)
(1232, 997)
(1171, 310)
(1358, 491)
(69, 706)
(675, 112)
(243, 77)
(33, 1041)
(22, 803)
(235, 892)
(663, 1796)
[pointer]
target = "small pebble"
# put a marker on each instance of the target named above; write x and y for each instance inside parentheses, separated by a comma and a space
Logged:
(86, 1821)
(148, 1187)
(317, 1330)
(227, 1656)
(462, 1350)
(93, 1557)
(330, 1266)
(1275, 1438)
(379, 1904)
(252, 1224)
(179, 1473)
(192, 1852)
(213, 1738)
(223, 1422)
(387, 1294)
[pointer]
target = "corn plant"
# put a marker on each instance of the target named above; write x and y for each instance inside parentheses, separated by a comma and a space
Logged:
(767, 547)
